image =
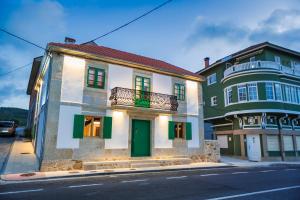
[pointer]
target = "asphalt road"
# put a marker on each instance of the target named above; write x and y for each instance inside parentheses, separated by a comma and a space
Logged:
(281, 182)
(5, 144)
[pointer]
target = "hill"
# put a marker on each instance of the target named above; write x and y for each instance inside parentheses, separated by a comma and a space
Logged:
(16, 114)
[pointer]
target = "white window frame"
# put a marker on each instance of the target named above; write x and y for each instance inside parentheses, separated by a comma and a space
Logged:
(228, 100)
(213, 101)
(211, 79)
(287, 90)
(277, 60)
(278, 92)
(273, 93)
(293, 94)
(250, 95)
(298, 94)
(252, 59)
(243, 87)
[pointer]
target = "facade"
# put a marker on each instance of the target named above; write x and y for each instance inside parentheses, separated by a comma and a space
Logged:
(96, 104)
(252, 101)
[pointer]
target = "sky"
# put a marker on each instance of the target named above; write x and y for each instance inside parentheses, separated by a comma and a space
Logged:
(182, 33)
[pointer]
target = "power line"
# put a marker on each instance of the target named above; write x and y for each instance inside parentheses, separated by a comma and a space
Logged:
(126, 24)
(23, 39)
(16, 69)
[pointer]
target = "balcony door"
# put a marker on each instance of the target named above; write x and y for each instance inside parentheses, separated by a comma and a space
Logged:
(142, 91)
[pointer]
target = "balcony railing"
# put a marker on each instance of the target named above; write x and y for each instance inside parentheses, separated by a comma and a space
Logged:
(136, 98)
(261, 65)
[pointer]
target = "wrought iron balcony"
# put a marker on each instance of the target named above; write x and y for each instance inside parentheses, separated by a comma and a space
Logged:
(261, 65)
(137, 98)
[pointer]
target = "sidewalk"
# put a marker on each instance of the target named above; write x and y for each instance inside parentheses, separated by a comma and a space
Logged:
(246, 163)
(21, 158)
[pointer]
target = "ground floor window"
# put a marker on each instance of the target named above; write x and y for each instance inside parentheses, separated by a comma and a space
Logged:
(273, 143)
(298, 142)
(92, 126)
(179, 130)
(288, 143)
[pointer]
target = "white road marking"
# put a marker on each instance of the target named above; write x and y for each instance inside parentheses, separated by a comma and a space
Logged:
(254, 193)
(132, 181)
(175, 177)
(77, 186)
(21, 191)
(290, 169)
(267, 171)
(240, 172)
(209, 174)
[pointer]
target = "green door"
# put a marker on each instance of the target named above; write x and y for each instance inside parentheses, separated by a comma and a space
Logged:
(140, 140)
(142, 92)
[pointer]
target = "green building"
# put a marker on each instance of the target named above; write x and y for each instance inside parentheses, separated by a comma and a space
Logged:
(252, 101)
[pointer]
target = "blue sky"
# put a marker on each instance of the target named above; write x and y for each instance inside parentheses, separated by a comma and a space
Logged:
(182, 33)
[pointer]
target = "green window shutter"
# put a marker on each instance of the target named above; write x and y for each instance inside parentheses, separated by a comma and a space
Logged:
(107, 127)
(171, 130)
(188, 131)
(78, 126)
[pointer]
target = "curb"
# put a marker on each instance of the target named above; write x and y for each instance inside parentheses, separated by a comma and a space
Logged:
(113, 173)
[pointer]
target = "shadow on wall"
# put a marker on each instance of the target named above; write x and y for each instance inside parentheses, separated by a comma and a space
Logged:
(208, 131)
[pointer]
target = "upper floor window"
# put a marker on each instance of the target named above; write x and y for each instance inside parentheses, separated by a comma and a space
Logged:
(252, 59)
(252, 91)
(242, 93)
(213, 101)
(96, 77)
(278, 91)
(298, 94)
(294, 94)
(179, 91)
(277, 59)
(287, 89)
(229, 95)
(211, 79)
(269, 91)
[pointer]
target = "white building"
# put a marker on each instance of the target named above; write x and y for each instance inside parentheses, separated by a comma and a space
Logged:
(91, 103)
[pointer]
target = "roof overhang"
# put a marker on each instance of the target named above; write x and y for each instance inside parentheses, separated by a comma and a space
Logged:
(34, 73)
(77, 53)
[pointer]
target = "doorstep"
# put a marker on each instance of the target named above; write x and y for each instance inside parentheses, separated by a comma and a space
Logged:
(81, 173)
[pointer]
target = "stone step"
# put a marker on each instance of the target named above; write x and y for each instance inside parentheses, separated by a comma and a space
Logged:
(135, 163)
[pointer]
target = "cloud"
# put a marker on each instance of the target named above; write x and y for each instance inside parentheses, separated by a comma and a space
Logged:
(282, 27)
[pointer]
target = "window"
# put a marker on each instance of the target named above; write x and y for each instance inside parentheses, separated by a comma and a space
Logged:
(288, 93)
(298, 94)
(179, 91)
(211, 79)
(293, 94)
(252, 59)
(278, 92)
(269, 91)
(242, 93)
(96, 77)
(252, 91)
(92, 126)
(277, 59)
(229, 95)
(213, 101)
(179, 130)
(228, 65)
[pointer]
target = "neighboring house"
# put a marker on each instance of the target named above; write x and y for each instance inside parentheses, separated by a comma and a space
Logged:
(93, 103)
(252, 100)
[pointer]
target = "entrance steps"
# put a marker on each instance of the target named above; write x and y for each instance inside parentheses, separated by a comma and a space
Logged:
(136, 163)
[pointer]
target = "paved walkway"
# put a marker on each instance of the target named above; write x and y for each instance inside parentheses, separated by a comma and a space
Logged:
(5, 145)
(246, 163)
(22, 158)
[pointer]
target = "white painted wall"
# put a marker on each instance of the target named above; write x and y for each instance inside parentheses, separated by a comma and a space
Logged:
(195, 142)
(65, 138)
(118, 76)
(192, 97)
(120, 130)
(162, 84)
(161, 132)
(72, 79)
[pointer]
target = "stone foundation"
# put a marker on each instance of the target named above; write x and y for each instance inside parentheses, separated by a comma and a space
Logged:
(211, 152)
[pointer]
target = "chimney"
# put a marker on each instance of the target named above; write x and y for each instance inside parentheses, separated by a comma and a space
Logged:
(69, 40)
(206, 62)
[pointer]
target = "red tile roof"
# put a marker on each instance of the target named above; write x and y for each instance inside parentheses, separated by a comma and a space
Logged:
(125, 56)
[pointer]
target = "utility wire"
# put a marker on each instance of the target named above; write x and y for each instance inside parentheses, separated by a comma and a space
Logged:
(16, 69)
(126, 24)
(23, 39)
